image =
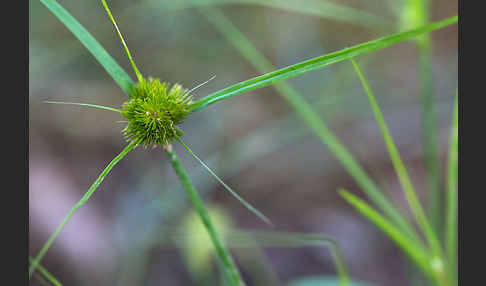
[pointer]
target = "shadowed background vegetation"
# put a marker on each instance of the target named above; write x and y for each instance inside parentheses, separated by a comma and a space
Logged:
(138, 228)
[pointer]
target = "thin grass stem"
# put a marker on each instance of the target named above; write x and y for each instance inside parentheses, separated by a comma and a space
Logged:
(46, 274)
(83, 200)
(223, 254)
(132, 62)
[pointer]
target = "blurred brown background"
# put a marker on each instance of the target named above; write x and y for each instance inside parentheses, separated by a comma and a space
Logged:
(271, 159)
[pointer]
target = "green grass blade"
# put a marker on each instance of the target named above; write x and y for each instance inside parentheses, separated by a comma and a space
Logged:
(84, 199)
(310, 117)
(223, 254)
(85, 104)
(416, 13)
(46, 274)
(41, 279)
(232, 192)
(400, 168)
(415, 251)
(316, 63)
(110, 65)
(323, 9)
(129, 55)
(451, 214)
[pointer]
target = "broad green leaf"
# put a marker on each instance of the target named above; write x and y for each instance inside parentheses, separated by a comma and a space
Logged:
(316, 63)
(95, 48)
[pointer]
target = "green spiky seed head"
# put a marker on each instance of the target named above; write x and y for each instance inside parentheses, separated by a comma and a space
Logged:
(153, 112)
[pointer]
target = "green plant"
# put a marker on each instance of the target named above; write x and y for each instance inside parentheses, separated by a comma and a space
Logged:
(153, 112)
(432, 258)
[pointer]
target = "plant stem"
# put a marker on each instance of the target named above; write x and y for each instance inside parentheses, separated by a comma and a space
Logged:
(221, 251)
(84, 199)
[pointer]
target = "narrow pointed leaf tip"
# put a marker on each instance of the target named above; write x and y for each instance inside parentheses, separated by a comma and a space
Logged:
(232, 192)
(84, 104)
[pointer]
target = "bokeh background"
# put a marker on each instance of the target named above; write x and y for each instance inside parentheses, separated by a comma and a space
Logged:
(129, 231)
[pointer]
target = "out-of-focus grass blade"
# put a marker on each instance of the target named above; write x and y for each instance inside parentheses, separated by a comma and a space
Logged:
(287, 239)
(451, 214)
(316, 63)
(323, 9)
(95, 48)
(304, 109)
(46, 274)
(415, 251)
(415, 13)
(35, 262)
(41, 279)
(400, 168)
(236, 238)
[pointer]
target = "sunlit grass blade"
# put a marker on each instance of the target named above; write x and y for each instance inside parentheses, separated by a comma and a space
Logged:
(310, 117)
(415, 251)
(83, 200)
(232, 192)
(130, 58)
(46, 274)
(451, 210)
(400, 168)
(110, 65)
(85, 104)
(223, 254)
(317, 63)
